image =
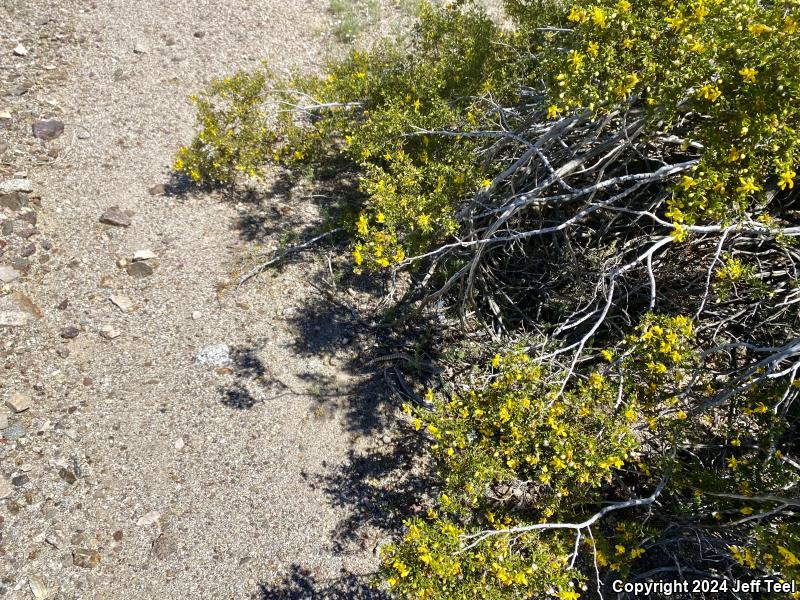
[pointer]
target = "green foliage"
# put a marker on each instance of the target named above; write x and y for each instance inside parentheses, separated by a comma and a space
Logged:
(721, 71)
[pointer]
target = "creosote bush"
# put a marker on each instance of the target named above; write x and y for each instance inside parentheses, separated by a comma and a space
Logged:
(610, 188)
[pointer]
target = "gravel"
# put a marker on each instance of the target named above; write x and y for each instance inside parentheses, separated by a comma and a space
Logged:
(241, 504)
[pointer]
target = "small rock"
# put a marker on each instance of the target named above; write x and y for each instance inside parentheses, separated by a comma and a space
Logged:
(139, 269)
(143, 255)
(70, 333)
(218, 355)
(20, 50)
(19, 90)
(3, 420)
(148, 519)
(5, 118)
(85, 558)
(13, 318)
(158, 189)
(19, 402)
(199, 34)
(163, 546)
(63, 304)
(5, 488)
(55, 538)
(15, 432)
(48, 130)
(121, 302)
(8, 274)
(9, 186)
(117, 535)
(114, 216)
(67, 475)
(38, 587)
(109, 332)
(197, 315)
(20, 480)
(140, 48)
(27, 305)
(179, 444)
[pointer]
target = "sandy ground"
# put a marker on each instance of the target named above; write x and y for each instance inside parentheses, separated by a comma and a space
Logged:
(137, 472)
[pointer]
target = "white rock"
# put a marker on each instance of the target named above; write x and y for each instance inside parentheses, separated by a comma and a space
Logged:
(218, 355)
(13, 318)
(16, 185)
(38, 587)
(109, 332)
(140, 48)
(20, 50)
(5, 115)
(5, 488)
(179, 444)
(143, 255)
(3, 419)
(121, 302)
(149, 518)
(8, 274)
(197, 315)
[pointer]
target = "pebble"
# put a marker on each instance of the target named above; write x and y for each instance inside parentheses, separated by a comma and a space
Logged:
(85, 558)
(158, 189)
(15, 432)
(109, 332)
(19, 402)
(20, 480)
(48, 130)
(140, 48)
(3, 420)
(121, 302)
(55, 538)
(179, 444)
(149, 518)
(217, 355)
(163, 546)
(20, 50)
(67, 475)
(8, 274)
(13, 318)
(5, 488)
(114, 216)
(197, 315)
(70, 333)
(143, 255)
(38, 587)
(9, 186)
(139, 269)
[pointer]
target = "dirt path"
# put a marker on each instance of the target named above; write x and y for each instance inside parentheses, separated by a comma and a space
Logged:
(137, 472)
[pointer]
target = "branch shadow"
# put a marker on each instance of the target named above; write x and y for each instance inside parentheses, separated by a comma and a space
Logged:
(302, 584)
(250, 379)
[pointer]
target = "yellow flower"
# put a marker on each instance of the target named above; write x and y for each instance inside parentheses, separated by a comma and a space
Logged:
(593, 49)
(787, 179)
(759, 28)
(747, 185)
(599, 17)
(568, 595)
(628, 43)
(789, 559)
(687, 182)
(733, 463)
(710, 92)
(679, 233)
(748, 74)
(746, 510)
(361, 224)
(676, 23)
(624, 6)
(357, 257)
(423, 220)
(620, 550)
(577, 15)
(576, 60)
(486, 183)
(496, 361)
(700, 12)
(681, 415)
(789, 25)
(637, 552)
(552, 111)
